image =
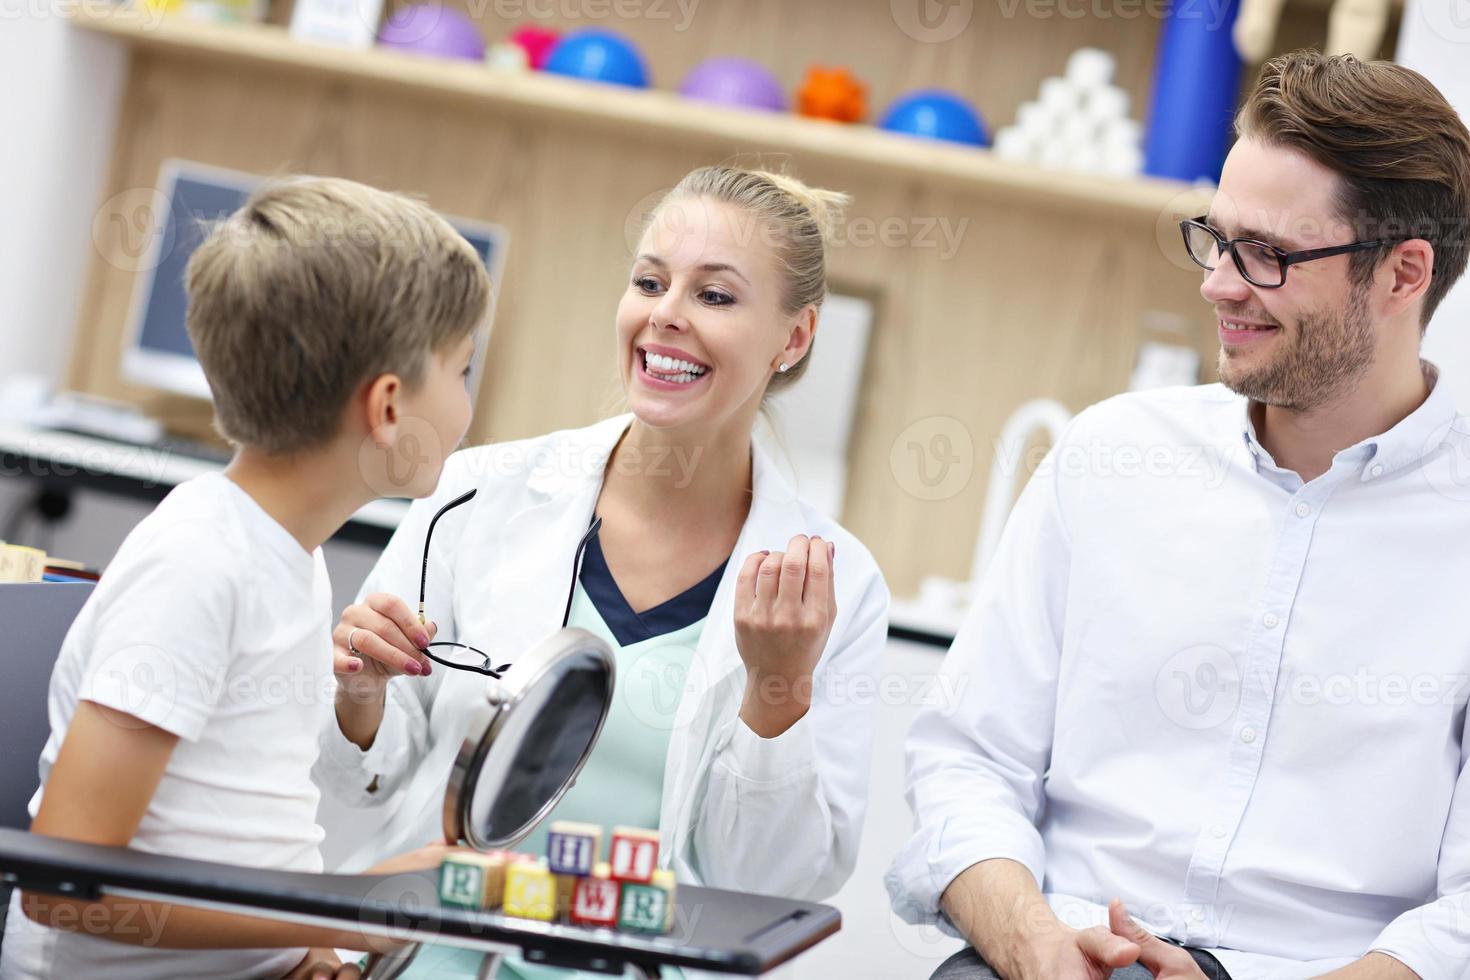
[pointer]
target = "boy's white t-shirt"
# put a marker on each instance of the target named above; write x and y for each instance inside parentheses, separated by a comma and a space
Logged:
(212, 623)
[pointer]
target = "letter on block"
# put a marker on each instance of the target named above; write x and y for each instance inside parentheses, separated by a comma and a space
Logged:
(645, 908)
(634, 854)
(472, 881)
(530, 891)
(573, 848)
(595, 899)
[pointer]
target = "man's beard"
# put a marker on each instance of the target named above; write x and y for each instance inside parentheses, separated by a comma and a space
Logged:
(1314, 364)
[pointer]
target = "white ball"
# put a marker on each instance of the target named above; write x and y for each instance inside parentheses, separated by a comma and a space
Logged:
(1060, 95)
(1011, 143)
(1105, 102)
(505, 56)
(1079, 130)
(1123, 161)
(1036, 120)
(1055, 154)
(1088, 67)
(1121, 132)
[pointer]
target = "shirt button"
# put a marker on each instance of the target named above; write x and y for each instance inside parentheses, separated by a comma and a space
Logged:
(1247, 734)
(1271, 621)
(1197, 915)
(1217, 831)
(1376, 470)
(1302, 510)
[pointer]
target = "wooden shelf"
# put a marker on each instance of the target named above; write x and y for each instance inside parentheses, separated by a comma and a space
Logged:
(662, 113)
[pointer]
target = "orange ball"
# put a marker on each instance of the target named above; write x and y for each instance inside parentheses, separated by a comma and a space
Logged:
(832, 93)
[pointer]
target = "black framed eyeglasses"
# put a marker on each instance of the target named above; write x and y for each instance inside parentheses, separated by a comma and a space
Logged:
(466, 657)
(1260, 263)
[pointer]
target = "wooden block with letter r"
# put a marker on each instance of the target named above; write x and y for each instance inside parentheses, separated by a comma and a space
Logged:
(648, 907)
(472, 881)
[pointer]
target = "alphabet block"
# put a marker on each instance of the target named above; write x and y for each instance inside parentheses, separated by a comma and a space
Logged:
(595, 899)
(530, 891)
(573, 848)
(646, 908)
(634, 854)
(472, 881)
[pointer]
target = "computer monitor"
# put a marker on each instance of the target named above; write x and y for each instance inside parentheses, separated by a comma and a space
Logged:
(158, 353)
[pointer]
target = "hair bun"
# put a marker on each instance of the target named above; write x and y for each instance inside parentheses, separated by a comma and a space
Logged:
(827, 208)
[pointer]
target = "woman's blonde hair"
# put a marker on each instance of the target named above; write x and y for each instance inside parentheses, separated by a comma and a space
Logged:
(796, 220)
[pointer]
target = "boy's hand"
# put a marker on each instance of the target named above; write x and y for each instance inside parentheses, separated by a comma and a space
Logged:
(323, 964)
(387, 638)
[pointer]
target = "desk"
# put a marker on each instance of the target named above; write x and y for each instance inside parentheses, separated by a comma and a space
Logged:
(144, 473)
(715, 930)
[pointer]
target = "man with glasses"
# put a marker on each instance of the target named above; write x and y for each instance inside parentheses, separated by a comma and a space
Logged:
(1218, 669)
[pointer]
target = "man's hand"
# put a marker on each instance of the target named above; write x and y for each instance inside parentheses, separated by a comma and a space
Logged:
(998, 907)
(1164, 960)
(1077, 954)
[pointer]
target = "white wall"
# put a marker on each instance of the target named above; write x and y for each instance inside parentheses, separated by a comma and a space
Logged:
(59, 96)
(1435, 41)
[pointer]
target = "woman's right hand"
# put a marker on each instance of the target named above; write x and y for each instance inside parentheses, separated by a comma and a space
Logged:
(388, 638)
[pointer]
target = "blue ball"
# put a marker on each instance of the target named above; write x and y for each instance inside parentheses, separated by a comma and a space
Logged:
(598, 56)
(936, 114)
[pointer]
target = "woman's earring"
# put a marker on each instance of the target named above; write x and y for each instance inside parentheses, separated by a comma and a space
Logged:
(784, 367)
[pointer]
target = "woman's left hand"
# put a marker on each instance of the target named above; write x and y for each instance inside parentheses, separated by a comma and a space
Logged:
(785, 604)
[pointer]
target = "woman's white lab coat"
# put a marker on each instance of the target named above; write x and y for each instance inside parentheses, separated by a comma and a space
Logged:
(778, 816)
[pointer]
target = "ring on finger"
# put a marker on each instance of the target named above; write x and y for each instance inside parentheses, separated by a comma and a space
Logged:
(350, 648)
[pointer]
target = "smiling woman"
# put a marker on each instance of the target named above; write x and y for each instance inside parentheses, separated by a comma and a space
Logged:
(739, 632)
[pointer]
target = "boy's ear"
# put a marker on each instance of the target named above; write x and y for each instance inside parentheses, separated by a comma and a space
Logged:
(381, 405)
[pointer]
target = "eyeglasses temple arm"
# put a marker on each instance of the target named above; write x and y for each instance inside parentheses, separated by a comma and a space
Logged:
(576, 565)
(424, 576)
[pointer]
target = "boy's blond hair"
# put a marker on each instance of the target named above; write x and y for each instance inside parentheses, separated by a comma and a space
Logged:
(313, 287)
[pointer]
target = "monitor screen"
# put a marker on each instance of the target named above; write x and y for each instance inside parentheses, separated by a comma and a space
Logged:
(193, 197)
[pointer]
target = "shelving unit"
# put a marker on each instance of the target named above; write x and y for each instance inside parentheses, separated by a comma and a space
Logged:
(1050, 285)
(666, 114)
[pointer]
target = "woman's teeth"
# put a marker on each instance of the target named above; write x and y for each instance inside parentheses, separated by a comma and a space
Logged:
(671, 369)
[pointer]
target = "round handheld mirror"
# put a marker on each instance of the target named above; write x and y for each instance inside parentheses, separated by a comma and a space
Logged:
(528, 739)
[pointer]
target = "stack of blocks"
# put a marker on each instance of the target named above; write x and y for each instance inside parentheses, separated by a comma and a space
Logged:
(1079, 122)
(571, 883)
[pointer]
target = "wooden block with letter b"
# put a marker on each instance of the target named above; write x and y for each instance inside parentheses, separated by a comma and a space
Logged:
(530, 891)
(472, 881)
(634, 854)
(595, 899)
(573, 848)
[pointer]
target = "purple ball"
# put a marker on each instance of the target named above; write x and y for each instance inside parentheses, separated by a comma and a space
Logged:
(734, 81)
(428, 28)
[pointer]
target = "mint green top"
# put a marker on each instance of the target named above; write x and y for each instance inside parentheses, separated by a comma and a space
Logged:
(622, 782)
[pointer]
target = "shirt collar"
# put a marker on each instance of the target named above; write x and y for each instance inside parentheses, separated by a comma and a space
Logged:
(1417, 435)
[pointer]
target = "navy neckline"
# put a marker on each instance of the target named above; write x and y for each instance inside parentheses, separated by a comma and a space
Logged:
(629, 627)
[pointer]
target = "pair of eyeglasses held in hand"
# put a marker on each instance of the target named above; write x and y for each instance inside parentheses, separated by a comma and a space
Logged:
(465, 656)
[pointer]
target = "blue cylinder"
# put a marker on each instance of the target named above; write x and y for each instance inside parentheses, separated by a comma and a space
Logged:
(1196, 81)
